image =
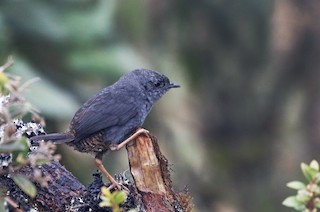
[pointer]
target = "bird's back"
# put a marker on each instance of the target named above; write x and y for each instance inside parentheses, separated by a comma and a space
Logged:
(107, 118)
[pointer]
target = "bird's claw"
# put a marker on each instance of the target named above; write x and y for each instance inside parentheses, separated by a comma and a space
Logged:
(120, 187)
(113, 147)
(142, 130)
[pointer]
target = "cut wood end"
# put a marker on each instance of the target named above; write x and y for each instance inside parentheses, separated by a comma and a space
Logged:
(144, 166)
(149, 169)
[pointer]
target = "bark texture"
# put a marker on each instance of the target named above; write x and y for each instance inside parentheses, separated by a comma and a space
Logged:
(151, 189)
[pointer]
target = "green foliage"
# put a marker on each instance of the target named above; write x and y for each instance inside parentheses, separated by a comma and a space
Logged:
(25, 185)
(307, 198)
(112, 200)
(19, 156)
(13, 106)
(13, 144)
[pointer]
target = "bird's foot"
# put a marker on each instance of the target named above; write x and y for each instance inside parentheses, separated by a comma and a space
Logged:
(120, 182)
(114, 183)
(119, 186)
(114, 147)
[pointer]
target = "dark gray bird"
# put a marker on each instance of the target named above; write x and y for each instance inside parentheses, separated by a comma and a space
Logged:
(114, 116)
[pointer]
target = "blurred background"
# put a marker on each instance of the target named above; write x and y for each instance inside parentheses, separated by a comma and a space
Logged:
(248, 111)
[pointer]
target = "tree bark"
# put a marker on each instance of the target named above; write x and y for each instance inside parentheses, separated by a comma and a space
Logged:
(151, 189)
(62, 188)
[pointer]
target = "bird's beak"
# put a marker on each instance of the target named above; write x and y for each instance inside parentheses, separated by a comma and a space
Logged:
(173, 85)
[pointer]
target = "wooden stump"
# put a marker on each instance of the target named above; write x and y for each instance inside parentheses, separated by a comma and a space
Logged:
(149, 169)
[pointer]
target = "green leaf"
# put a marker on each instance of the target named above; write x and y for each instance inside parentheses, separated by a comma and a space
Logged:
(105, 197)
(10, 147)
(3, 79)
(308, 172)
(317, 178)
(21, 158)
(119, 197)
(303, 196)
(314, 165)
(292, 202)
(105, 202)
(296, 185)
(20, 155)
(317, 203)
(105, 191)
(25, 185)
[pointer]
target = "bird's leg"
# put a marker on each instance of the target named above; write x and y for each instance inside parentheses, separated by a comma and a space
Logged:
(100, 166)
(132, 137)
(113, 182)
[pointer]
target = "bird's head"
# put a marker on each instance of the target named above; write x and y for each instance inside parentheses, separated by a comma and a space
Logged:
(152, 83)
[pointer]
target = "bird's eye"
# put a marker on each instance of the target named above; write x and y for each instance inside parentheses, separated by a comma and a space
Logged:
(159, 84)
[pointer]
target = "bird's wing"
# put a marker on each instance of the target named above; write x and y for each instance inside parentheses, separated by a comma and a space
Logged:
(103, 111)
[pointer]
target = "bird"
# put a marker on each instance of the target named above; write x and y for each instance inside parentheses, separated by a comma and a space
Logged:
(113, 116)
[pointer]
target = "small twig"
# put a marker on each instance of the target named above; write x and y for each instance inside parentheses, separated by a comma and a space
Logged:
(9, 63)
(28, 83)
(13, 204)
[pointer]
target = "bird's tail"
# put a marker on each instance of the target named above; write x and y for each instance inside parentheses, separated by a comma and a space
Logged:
(54, 137)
